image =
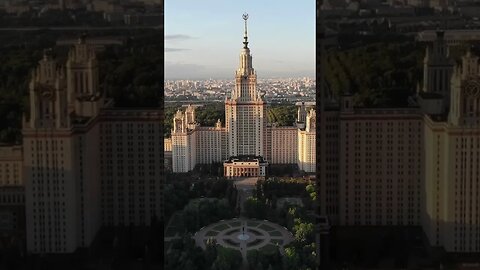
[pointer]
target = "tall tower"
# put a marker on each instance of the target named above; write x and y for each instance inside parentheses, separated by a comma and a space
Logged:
(48, 97)
(82, 80)
(465, 101)
(245, 109)
(452, 151)
(437, 68)
(60, 141)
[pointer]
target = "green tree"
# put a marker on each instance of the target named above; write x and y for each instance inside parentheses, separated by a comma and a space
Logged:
(255, 208)
(291, 259)
(210, 251)
(311, 191)
(304, 231)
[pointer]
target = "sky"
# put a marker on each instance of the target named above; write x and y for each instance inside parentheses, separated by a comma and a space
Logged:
(203, 39)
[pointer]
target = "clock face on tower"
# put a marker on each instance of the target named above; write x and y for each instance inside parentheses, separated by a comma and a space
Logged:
(471, 88)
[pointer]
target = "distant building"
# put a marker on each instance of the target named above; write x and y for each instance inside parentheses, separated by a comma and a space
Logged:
(11, 166)
(12, 211)
(12, 194)
(306, 143)
(451, 37)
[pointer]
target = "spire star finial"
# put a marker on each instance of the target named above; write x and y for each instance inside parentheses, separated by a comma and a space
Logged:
(245, 37)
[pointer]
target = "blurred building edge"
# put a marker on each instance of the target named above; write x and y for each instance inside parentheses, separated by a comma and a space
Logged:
(322, 238)
(409, 166)
(81, 155)
(12, 198)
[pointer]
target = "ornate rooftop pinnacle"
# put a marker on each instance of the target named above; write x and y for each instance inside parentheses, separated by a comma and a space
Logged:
(245, 36)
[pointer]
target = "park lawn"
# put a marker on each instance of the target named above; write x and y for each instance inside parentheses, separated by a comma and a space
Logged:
(275, 233)
(221, 227)
(252, 223)
(266, 227)
(211, 233)
(254, 242)
(277, 241)
(235, 252)
(232, 243)
(269, 248)
(175, 225)
(234, 223)
(232, 232)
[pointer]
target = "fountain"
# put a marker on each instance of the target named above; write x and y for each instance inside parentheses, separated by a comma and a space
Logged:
(243, 236)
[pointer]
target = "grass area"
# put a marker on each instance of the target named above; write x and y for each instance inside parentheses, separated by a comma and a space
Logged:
(257, 233)
(232, 243)
(194, 202)
(277, 241)
(234, 223)
(275, 233)
(266, 227)
(250, 252)
(211, 233)
(221, 227)
(175, 225)
(269, 248)
(234, 252)
(252, 223)
(254, 243)
(232, 232)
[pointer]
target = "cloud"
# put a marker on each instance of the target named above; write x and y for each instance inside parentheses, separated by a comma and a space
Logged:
(177, 37)
(175, 49)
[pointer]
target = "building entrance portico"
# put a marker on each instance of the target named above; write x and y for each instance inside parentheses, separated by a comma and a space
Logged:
(245, 166)
(246, 171)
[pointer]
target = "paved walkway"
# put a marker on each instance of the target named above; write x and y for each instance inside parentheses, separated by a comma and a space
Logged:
(245, 187)
(245, 234)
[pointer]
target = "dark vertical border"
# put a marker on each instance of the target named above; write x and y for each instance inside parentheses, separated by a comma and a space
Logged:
(319, 99)
(322, 223)
(162, 153)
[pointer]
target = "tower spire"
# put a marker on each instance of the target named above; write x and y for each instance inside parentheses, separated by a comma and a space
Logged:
(245, 37)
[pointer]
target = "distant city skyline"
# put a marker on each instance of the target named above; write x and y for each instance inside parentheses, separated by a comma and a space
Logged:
(203, 39)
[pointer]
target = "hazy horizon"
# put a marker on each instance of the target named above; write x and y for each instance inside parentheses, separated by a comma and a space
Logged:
(232, 79)
(203, 39)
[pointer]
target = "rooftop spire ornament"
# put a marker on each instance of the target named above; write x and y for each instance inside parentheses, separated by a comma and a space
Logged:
(245, 37)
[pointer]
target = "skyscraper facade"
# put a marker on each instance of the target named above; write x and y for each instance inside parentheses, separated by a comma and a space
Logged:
(86, 163)
(451, 216)
(409, 166)
(245, 109)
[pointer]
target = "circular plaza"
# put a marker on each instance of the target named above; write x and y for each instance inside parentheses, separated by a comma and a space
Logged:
(245, 234)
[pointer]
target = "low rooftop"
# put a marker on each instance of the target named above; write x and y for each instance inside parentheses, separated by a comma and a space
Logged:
(245, 158)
